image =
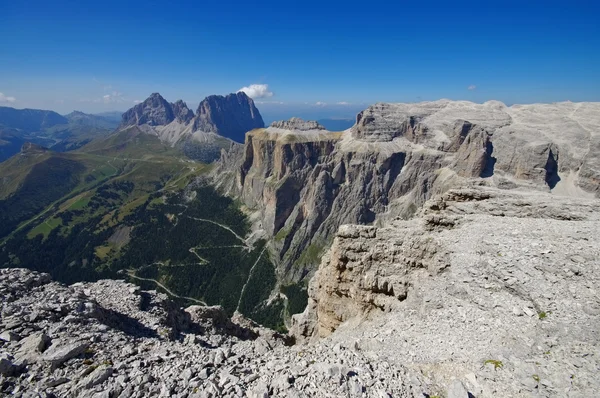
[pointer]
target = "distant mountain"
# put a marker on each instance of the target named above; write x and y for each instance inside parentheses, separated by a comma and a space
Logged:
(48, 128)
(231, 116)
(181, 112)
(77, 118)
(337, 124)
(10, 142)
(113, 116)
(218, 121)
(154, 111)
(29, 120)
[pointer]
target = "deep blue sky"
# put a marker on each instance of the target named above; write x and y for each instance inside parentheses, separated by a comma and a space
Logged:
(70, 55)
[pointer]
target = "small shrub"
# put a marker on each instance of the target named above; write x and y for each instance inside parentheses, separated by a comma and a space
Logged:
(497, 364)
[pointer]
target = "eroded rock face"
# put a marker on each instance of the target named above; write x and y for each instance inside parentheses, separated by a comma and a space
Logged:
(230, 116)
(182, 113)
(304, 183)
(298, 124)
(154, 111)
(304, 186)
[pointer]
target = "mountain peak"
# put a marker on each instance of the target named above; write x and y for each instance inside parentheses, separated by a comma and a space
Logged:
(154, 111)
(231, 116)
(181, 112)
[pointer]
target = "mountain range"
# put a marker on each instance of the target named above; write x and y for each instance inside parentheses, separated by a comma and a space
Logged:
(219, 121)
(48, 128)
(386, 233)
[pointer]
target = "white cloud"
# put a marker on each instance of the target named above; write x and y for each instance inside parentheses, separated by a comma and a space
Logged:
(319, 103)
(7, 99)
(472, 87)
(114, 98)
(270, 102)
(257, 91)
(137, 101)
(343, 103)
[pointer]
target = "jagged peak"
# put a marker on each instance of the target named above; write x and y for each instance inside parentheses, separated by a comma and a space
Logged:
(240, 96)
(182, 113)
(155, 95)
(297, 123)
(154, 111)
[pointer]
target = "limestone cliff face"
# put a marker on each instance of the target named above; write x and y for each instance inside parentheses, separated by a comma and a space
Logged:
(305, 182)
(481, 279)
(304, 185)
(372, 269)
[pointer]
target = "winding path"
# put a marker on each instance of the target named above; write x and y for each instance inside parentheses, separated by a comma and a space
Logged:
(246, 245)
(132, 275)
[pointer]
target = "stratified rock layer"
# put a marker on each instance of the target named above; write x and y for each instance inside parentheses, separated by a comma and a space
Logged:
(297, 124)
(305, 182)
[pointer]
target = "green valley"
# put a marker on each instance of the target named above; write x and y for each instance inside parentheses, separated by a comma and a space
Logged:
(129, 206)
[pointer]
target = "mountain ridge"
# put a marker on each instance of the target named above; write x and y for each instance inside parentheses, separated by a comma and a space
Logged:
(219, 121)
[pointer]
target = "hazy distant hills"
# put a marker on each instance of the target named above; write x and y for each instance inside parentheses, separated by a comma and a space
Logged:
(112, 116)
(29, 120)
(49, 129)
(83, 119)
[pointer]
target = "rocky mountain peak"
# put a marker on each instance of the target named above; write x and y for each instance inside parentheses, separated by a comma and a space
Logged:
(297, 123)
(230, 116)
(181, 112)
(154, 111)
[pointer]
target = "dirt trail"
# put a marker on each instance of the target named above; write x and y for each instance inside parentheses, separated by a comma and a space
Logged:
(132, 274)
(246, 245)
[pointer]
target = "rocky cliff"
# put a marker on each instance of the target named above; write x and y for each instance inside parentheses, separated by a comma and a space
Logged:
(492, 287)
(304, 182)
(231, 116)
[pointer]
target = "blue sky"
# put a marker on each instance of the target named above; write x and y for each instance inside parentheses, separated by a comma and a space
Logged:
(99, 56)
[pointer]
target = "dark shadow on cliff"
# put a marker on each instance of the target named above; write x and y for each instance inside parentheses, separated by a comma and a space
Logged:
(490, 161)
(552, 177)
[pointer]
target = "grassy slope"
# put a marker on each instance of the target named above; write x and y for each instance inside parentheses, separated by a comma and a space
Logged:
(132, 180)
(36, 185)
